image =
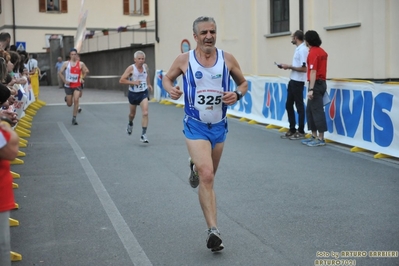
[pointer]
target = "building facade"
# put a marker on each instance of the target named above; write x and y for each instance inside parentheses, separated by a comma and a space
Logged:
(32, 23)
(359, 35)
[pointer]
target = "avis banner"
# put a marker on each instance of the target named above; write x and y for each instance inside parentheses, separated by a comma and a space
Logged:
(360, 114)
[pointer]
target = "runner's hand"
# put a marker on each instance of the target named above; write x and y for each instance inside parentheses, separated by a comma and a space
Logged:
(229, 97)
(175, 93)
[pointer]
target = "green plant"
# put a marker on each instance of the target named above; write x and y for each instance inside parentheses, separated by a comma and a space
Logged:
(143, 22)
(105, 30)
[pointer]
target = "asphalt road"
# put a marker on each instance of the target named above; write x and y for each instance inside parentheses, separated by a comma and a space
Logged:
(92, 195)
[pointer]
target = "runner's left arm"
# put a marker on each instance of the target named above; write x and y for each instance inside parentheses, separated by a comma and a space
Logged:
(237, 75)
(85, 70)
(148, 77)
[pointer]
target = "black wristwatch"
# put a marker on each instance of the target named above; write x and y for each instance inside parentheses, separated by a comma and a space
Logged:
(239, 95)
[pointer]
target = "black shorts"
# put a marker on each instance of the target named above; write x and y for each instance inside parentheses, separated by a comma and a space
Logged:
(135, 98)
(69, 91)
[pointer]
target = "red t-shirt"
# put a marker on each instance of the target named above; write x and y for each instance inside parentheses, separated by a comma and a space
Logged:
(6, 191)
(317, 60)
(72, 74)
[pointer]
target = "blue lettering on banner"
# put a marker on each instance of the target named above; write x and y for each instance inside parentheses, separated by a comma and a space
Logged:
(348, 107)
(274, 100)
(245, 104)
(383, 102)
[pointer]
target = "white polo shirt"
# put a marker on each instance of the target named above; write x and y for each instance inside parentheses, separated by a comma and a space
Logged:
(299, 60)
(32, 63)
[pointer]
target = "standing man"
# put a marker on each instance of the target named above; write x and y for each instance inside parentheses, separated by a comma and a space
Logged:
(58, 66)
(138, 79)
(32, 64)
(73, 68)
(295, 87)
(206, 73)
(317, 73)
(9, 142)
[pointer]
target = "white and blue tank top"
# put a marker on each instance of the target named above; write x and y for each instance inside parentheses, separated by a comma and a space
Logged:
(142, 77)
(204, 87)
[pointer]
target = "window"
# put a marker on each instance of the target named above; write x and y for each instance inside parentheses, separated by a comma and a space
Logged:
(53, 6)
(279, 16)
(49, 37)
(136, 7)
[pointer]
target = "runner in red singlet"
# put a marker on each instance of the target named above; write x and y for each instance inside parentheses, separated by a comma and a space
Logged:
(74, 69)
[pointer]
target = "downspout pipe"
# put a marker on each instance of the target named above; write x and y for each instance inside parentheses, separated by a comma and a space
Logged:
(156, 21)
(301, 15)
(13, 21)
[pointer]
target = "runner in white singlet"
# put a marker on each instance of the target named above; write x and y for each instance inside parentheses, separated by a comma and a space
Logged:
(206, 80)
(138, 79)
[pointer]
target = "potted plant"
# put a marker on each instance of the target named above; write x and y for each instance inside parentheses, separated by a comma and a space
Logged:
(89, 34)
(122, 29)
(143, 24)
(105, 31)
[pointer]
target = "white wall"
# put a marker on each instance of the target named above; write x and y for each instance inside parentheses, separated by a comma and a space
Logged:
(365, 52)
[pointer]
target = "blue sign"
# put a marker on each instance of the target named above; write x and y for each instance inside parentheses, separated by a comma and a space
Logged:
(21, 46)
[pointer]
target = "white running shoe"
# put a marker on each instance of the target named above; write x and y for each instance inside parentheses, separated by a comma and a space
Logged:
(144, 139)
(214, 242)
(193, 178)
(129, 129)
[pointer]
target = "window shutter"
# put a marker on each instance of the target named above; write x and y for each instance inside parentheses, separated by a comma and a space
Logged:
(64, 6)
(146, 7)
(126, 7)
(42, 5)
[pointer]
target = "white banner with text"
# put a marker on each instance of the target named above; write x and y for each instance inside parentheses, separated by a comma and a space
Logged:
(361, 114)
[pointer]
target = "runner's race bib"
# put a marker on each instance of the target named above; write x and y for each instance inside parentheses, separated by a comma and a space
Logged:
(72, 78)
(208, 101)
(138, 88)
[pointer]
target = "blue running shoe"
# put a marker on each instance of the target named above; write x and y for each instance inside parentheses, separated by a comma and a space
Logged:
(306, 141)
(317, 142)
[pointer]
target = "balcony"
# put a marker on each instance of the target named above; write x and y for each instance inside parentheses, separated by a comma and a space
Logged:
(134, 34)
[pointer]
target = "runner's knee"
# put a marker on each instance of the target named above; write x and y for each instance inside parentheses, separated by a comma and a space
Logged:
(206, 175)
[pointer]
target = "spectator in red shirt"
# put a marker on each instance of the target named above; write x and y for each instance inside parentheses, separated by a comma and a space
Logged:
(9, 143)
(317, 72)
